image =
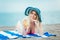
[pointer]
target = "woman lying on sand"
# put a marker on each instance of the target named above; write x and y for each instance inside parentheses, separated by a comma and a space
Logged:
(31, 23)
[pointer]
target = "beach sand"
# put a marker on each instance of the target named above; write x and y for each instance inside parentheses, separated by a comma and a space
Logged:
(53, 28)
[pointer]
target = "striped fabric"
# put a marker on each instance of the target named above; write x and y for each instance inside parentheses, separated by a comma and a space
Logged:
(4, 35)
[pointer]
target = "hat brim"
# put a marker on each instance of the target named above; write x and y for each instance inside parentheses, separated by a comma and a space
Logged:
(28, 9)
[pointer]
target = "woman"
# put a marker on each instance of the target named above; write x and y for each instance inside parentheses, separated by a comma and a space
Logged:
(32, 23)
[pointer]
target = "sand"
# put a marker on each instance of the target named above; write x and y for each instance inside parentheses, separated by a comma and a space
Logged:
(53, 28)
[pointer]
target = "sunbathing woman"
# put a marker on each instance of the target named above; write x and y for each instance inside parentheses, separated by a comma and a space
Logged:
(32, 21)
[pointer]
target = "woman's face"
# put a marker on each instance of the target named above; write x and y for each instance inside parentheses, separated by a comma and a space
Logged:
(33, 15)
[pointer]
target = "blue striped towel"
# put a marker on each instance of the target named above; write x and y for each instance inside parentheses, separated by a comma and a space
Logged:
(4, 35)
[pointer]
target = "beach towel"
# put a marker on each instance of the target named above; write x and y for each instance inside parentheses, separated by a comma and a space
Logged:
(5, 35)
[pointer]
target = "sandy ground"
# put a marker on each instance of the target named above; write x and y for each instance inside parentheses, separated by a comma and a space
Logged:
(53, 28)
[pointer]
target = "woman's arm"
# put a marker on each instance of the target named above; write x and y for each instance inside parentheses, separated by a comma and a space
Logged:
(25, 26)
(41, 29)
